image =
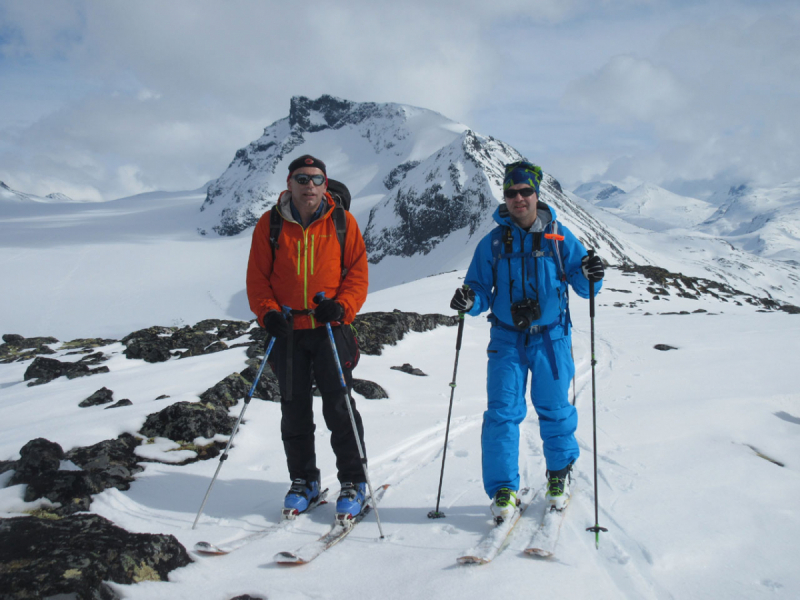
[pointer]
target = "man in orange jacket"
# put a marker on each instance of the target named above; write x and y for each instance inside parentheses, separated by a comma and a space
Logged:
(306, 260)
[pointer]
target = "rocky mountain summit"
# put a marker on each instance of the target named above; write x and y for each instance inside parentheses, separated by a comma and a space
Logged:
(352, 138)
(424, 178)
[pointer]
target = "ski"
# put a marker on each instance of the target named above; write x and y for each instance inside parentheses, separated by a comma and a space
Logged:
(545, 538)
(337, 533)
(493, 542)
(287, 516)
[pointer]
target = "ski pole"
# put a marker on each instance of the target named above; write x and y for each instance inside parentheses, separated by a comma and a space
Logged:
(437, 514)
(596, 529)
(224, 456)
(287, 313)
(348, 400)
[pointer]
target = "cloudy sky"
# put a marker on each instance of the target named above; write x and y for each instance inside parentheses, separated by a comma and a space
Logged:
(101, 100)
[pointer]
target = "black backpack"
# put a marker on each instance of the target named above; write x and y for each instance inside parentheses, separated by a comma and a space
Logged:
(341, 198)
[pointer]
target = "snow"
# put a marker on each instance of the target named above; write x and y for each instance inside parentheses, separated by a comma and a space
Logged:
(692, 510)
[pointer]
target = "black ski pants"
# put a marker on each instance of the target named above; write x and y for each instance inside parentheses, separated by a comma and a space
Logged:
(312, 357)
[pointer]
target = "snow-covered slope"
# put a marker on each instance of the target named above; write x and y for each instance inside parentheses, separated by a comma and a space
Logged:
(703, 419)
(647, 205)
(763, 221)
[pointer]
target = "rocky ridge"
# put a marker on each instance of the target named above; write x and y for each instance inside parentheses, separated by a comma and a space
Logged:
(84, 551)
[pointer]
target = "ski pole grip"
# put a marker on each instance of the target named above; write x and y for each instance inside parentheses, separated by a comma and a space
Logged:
(460, 330)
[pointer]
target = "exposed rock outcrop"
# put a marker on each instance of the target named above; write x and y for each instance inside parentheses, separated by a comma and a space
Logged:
(74, 557)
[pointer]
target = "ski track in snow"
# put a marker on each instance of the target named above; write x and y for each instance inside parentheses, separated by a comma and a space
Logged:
(406, 452)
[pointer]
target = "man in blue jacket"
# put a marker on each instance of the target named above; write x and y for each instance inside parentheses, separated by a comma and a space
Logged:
(521, 272)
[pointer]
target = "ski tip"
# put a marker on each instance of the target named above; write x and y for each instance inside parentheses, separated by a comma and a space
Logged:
(288, 558)
(208, 548)
(471, 560)
(538, 552)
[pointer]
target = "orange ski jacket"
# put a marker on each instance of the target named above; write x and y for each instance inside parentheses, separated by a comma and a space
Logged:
(307, 261)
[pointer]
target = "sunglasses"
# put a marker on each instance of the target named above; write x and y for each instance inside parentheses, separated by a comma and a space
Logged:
(303, 179)
(524, 192)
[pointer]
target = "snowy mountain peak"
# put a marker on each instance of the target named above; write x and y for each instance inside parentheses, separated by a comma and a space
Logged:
(366, 145)
(11, 195)
(424, 187)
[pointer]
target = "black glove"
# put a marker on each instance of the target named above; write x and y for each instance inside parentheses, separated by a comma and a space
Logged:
(592, 268)
(277, 325)
(462, 300)
(329, 310)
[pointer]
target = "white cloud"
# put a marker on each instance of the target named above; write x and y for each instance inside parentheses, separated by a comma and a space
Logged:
(170, 90)
(629, 88)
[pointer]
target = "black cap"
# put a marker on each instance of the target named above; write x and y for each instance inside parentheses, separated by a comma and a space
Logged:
(306, 161)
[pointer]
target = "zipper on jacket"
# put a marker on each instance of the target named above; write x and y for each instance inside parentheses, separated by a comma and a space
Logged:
(312, 254)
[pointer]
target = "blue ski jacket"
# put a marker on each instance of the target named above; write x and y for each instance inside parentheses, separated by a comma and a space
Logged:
(540, 266)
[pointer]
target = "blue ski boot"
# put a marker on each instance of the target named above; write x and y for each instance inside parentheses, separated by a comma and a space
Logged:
(300, 496)
(351, 498)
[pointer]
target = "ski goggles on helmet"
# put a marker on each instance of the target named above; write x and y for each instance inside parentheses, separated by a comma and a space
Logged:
(524, 192)
(303, 179)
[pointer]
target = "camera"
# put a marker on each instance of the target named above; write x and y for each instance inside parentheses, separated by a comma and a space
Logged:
(525, 312)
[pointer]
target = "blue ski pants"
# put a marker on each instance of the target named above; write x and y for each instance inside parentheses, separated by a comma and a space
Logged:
(511, 356)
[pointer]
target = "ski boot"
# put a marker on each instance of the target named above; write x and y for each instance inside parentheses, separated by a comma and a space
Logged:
(301, 495)
(351, 501)
(504, 504)
(558, 487)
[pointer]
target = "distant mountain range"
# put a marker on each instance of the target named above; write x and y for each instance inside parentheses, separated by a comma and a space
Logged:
(761, 221)
(425, 187)
(10, 195)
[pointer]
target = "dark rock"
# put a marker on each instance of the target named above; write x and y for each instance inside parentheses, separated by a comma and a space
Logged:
(664, 347)
(369, 389)
(225, 330)
(86, 344)
(93, 359)
(17, 348)
(195, 342)
(184, 421)
(123, 402)
(73, 490)
(43, 370)
(101, 396)
(116, 459)
(227, 392)
(377, 329)
(37, 457)
(696, 287)
(267, 388)
(162, 397)
(407, 368)
(75, 556)
(150, 345)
